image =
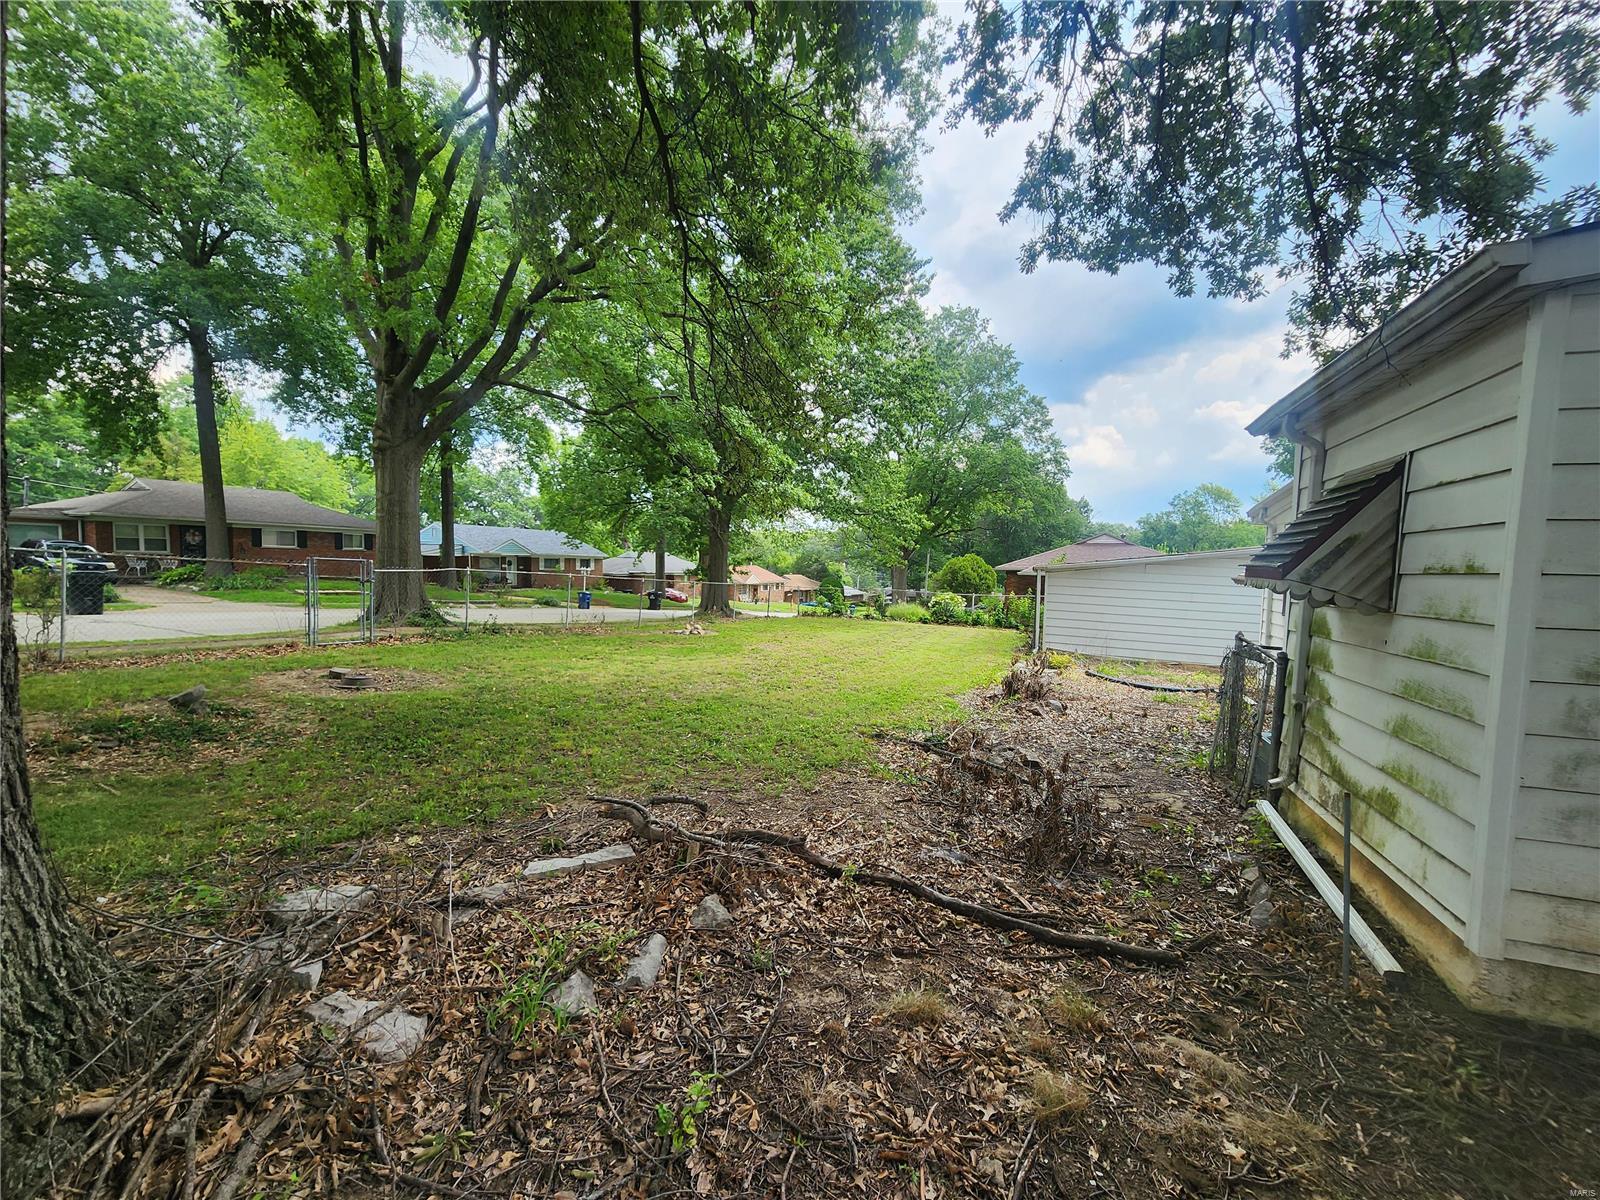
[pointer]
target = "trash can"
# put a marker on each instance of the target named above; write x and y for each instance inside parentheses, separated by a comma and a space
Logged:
(86, 593)
(584, 598)
(655, 601)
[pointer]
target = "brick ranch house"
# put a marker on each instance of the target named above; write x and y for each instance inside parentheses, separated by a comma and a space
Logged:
(1018, 575)
(153, 524)
(758, 585)
(517, 557)
(636, 572)
(800, 589)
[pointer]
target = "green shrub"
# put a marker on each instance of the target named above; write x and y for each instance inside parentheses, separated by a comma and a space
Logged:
(1008, 612)
(967, 575)
(830, 596)
(251, 579)
(188, 573)
(947, 608)
(907, 612)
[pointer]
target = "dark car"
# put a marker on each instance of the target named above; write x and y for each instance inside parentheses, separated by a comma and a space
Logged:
(46, 553)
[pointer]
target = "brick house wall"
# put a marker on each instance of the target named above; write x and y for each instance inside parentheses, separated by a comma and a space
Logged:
(319, 544)
(528, 573)
(1018, 584)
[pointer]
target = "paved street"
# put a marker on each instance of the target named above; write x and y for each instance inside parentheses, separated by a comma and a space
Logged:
(174, 615)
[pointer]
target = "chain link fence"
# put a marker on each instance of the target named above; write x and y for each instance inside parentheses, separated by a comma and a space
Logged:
(149, 602)
(70, 605)
(1245, 748)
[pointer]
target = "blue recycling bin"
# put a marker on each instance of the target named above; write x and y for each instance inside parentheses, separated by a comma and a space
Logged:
(584, 598)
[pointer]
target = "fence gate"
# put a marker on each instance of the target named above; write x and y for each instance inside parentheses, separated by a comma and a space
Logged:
(339, 601)
(1245, 744)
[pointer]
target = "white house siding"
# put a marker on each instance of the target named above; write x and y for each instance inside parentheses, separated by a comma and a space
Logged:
(1552, 911)
(1396, 702)
(1181, 608)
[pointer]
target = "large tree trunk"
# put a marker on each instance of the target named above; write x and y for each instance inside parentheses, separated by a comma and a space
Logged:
(661, 564)
(447, 511)
(219, 549)
(59, 990)
(399, 592)
(899, 588)
(715, 591)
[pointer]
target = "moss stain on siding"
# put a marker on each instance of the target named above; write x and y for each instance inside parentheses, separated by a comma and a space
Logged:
(1414, 732)
(1433, 696)
(1467, 566)
(1407, 773)
(1321, 656)
(1587, 669)
(1577, 771)
(1429, 650)
(1441, 610)
(1581, 718)
(1380, 800)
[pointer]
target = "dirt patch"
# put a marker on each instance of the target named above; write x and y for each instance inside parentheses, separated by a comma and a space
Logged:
(315, 681)
(140, 736)
(844, 1038)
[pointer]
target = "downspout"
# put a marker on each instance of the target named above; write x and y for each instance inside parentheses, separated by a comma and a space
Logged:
(1288, 756)
(1319, 457)
(1038, 611)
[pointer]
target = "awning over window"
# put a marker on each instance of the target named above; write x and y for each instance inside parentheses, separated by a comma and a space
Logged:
(1340, 550)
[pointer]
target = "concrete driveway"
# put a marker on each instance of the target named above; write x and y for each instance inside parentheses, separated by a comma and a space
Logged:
(182, 614)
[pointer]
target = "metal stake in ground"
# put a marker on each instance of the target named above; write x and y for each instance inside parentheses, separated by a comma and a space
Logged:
(1346, 916)
(61, 616)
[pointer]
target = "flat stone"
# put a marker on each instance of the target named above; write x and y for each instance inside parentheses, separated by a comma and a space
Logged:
(393, 1037)
(608, 856)
(575, 996)
(192, 699)
(1250, 874)
(278, 954)
(958, 858)
(646, 964)
(1262, 890)
(310, 903)
(485, 896)
(710, 915)
(1263, 914)
(1055, 706)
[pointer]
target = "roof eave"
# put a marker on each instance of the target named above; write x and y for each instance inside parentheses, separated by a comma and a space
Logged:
(1481, 278)
(1148, 559)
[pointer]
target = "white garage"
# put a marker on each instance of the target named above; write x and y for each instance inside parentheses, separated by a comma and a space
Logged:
(1173, 608)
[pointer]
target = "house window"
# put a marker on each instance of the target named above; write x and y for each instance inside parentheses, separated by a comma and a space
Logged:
(586, 564)
(150, 538)
(352, 541)
(283, 539)
(550, 564)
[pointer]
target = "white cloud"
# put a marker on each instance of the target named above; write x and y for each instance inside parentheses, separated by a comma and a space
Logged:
(1170, 421)
(1101, 446)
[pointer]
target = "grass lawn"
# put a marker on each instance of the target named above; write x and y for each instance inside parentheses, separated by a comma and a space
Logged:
(489, 725)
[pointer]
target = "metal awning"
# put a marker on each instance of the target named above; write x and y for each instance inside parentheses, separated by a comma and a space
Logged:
(1341, 550)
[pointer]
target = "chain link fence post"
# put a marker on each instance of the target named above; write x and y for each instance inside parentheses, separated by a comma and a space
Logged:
(61, 617)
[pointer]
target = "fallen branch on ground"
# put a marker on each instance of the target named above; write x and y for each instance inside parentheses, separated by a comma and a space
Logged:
(653, 828)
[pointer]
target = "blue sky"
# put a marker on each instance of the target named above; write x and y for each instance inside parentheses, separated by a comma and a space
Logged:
(1149, 391)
